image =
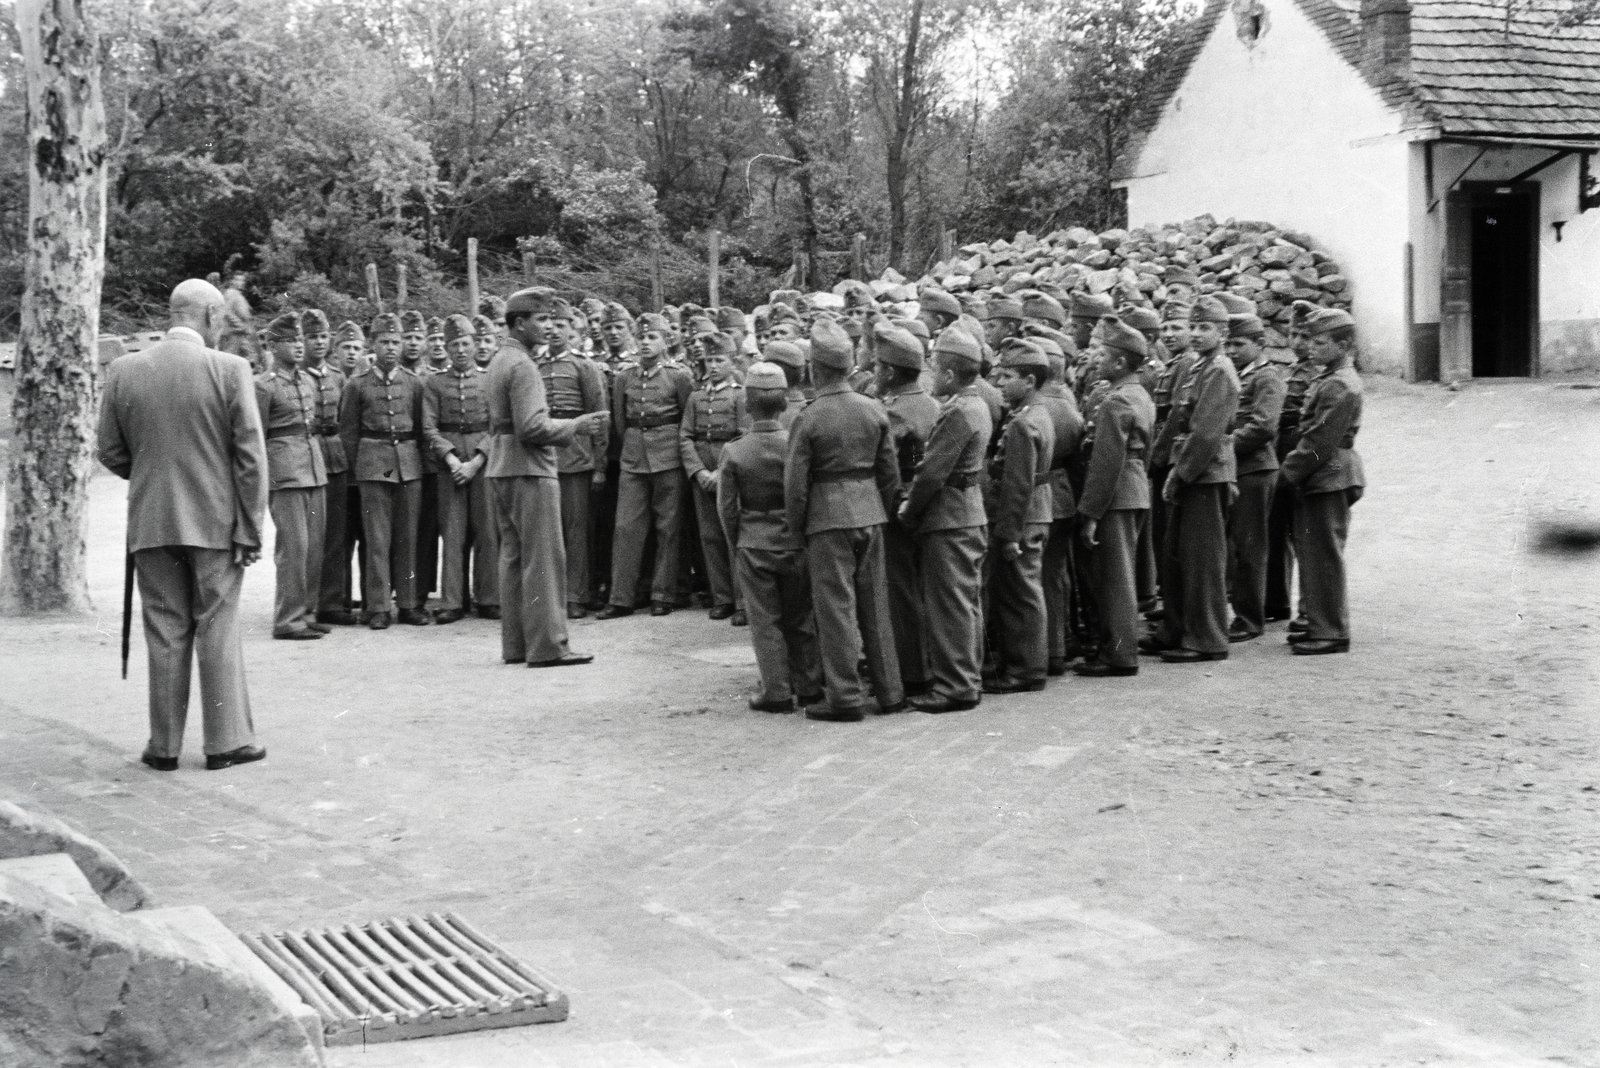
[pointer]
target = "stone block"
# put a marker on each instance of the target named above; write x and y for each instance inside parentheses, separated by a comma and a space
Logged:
(55, 872)
(1102, 281)
(30, 834)
(1333, 283)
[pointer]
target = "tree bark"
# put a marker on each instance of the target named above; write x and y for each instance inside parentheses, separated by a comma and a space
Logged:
(905, 119)
(53, 449)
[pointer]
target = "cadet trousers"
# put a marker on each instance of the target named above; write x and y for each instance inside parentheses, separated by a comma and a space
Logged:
(783, 632)
(1021, 646)
(533, 569)
(1158, 526)
(1321, 525)
(428, 535)
(851, 602)
(1280, 553)
(908, 617)
(469, 528)
(577, 528)
(1247, 549)
(1195, 580)
(1057, 567)
(641, 500)
(335, 552)
(300, 519)
(190, 601)
(389, 523)
(952, 593)
(1145, 561)
(1115, 562)
(605, 526)
(714, 546)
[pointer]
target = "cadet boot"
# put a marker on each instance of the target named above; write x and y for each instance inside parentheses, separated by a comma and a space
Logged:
(339, 618)
(758, 705)
(740, 619)
(413, 617)
(245, 754)
(1191, 656)
(836, 715)
(379, 621)
(1238, 632)
(1099, 669)
(613, 611)
(445, 616)
(1321, 647)
(937, 703)
(1012, 684)
(568, 660)
(721, 611)
(304, 634)
(159, 763)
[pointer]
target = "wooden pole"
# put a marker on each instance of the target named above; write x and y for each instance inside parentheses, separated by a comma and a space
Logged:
(858, 258)
(400, 296)
(801, 269)
(527, 267)
(657, 295)
(374, 293)
(947, 244)
(714, 270)
(472, 276)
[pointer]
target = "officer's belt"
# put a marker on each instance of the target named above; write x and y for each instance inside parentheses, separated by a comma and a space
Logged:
(391, 436)
(715, 435)
(463, 428)
(565, 413)
(299, 430)
(650, 422)
(855, 474)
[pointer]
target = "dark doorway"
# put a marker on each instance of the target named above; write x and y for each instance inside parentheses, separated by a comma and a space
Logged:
(1504, 226)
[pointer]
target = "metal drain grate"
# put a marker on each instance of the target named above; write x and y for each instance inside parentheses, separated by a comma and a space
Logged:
(408, 977)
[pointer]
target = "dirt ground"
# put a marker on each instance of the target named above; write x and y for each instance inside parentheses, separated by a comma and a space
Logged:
(1382, 858)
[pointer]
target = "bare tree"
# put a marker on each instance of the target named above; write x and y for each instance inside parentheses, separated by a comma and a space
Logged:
(47, 484)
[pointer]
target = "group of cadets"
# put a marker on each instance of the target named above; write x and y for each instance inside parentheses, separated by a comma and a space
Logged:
(905, 508)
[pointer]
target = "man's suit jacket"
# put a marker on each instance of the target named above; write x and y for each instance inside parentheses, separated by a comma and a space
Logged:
(180, 422)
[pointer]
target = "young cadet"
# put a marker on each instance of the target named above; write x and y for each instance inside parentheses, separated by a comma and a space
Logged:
(327, 381)
(647, 403)
(1005, 320)
(455, 425)
(438, 359)
(770, 560)
(616, 335)
(1195, 627)
(1088, 309)
(1021, 523)
(485, 340)
(944, 506)
(789, 357)
(1254, 434)
(573, 387)
(297, 481)
(352, 358)
(912, 414)
(1115, 503)
(1280, 558)
(1175, 338)
(840, 480)
(413, 341)
(714, 416)
(1057, 565)
(1325, 474)
(937, 309)
(731, 321)
(424, 557)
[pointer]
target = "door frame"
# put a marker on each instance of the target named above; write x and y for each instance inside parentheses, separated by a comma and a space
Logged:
(1455, 280)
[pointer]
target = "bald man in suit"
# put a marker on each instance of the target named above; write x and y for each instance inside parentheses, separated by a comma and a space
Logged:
(179, 421)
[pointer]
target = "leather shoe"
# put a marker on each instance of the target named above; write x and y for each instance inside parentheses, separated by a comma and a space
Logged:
(700, 599)
(1099, 669)
(1008, 684)
(613, 611)
(576, 611)
(159, 763)
(488, 611)
(379, 621)
(721, 611)
(811, 699)
(1151, 647)
(1273, 615)
(304, 634)
(1321, 647)
(917, 689)
(320, 628)
(446, 616)
(739, 618)
(936, 703)
(1057, 668)
(835, 715)
(1299, 626)
(1295, 637)
(413, 617)
(889, 710)
(660, 608)
(245, 754)
(339, 618)
(785, 705)
(568, 660)
(1237, 633)
(1191, 656)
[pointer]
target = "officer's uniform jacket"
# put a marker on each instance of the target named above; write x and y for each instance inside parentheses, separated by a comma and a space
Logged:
(1255, 426)
(1117, 477)
(714, 416)
(573, 386)
(288, 404)
(841, 471)
(1068, 425)
(1201, 415)
(455, 414)
(646, 411)
(750, 497)
(523, 438)
(1325, 460)
(329, 383)
(1294, 400)
(1022, 495)
(947, 492)
(1163, 395)
(380, 422)
(912, 414)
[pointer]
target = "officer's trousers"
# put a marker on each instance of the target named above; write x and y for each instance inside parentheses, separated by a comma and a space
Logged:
(428, 534)
(1195, 581)
(851, 602)
(577, 528)
(1247, 549)
(1116, 568)
(1021, 645)
(533, 569)
(952, 585)
(389, 523)
(1321, 525)
(777, 596)
(300, 517)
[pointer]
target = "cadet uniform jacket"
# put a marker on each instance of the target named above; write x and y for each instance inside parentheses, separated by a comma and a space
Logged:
(714, 416)
(574, 385)
(1023, 495)
(947, 492)
(1255, 427)
(288, 404)
(1068, 425)
(1162, 395)
(380, 420)
(1294, 401)
(646, 412)
(841, 472)
(912, 414)
(523, 438)
(1325, 460)
(1117, 477)
(750, 490)
(455, 414)
(329, 384)
(1204, 409)
(797, 403)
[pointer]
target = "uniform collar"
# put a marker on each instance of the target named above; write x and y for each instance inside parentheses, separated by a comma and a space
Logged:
(716, 387)
(468, 373)
(377, 372)
(834, 387)
(287, 376)
(903, 391)
(763, 426)
(316, 372)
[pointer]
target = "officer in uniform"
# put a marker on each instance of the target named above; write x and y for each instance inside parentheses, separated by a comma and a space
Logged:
(380, 421)
(770, 563)
(350, 352)
(840, 479)
(789, 357)
(714, 416)
(297, 478)
(327, 383)
(1255, 433)
(1280, 555)
(1067, 423)
(455, 425)
(523, 474)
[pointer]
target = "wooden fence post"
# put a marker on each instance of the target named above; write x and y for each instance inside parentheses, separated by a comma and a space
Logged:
(802, 268)
(401, 299)
(374, 293)
(472, 276)
(858, 258)
(657, 296)
(947, 244)
(527, 268)
(714, 270)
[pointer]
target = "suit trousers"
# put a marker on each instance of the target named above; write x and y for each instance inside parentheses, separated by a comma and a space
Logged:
(1280, 553)
(335, 556)
(641, 500)
(533, 569)
(190, 600)
(1197, 565)
(1057, 567)
(1247, 549)
(300, 518)
(577, 528)
(468, 527)
(1021, 646)
(1116, 584)
(428, 535)
(1321, 525)
(714, 546)
(783, 633)
(952, 592)
(908, 617)
(851, 602)
(389, 521)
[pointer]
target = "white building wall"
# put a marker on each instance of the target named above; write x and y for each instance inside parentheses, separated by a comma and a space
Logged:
(1287, 132)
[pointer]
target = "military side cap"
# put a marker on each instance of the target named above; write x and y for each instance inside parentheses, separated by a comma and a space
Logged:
(722, 343)
(412, 322)
(1301, 310)
(856, 294)
(1090, 305)
(1062, 341)
(1245, 326)
(593, 306)
(284, 328)
(789, 297)
(659, 324)
(1175, 310)
(937, 300)
(700, 326)
(1113, 333)
(1021, 352)
(831, 346)
(766, 375)
(1140, 318)
(761, 318)
(975, 306)
(615, 313)
(349, 331)
(786, 353)
(784, 313)
(730, 319)
(1236, 304)
(314, 321)
(387, 323)
(538, 300)
(482, 324)
(687, 312)
(492, 306)
(1051, 346)
(958, 344)
(435, 326)
(1180, 276)
(1040, 305)
(916, 328)
(1324, 320)
(896, 347)
(454, 327)
(1208, 310)
(1007, 308)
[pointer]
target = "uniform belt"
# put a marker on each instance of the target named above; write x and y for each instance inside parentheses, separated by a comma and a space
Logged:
(565, 413)
(761, 504)
(650, 422)
(329, 429)
(392, 436)
(299, 430)
(855, 474)
(715, 435)
(463, 428)
(960, 480)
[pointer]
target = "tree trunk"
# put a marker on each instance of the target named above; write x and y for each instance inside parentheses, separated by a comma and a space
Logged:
(53, 449)
(898, 168)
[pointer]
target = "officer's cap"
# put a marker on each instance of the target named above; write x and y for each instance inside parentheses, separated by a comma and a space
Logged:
(831, 346)
(284, 328)
(456, 326)
(314, 321)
